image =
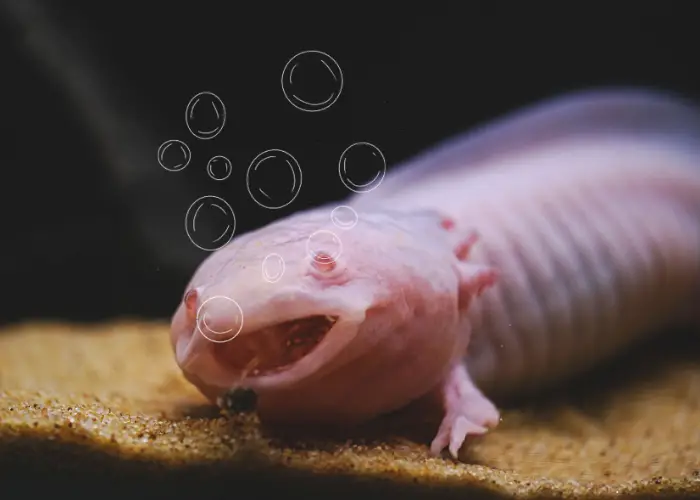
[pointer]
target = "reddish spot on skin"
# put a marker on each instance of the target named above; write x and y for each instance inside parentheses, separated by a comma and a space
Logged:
(463, 249)
(447, 224)
(191, 298)
(323, 262)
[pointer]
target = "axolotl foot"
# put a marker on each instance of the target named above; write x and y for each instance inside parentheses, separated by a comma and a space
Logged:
(467, 412)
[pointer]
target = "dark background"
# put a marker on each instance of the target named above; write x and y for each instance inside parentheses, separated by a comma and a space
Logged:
(93, 227)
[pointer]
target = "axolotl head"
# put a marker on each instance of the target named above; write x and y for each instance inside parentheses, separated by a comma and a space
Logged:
(327, 322)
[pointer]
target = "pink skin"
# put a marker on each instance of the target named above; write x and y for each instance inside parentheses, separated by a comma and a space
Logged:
(388, 310)
(589, 206)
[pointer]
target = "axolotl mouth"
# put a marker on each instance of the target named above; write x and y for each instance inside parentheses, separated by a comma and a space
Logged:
(274, 348)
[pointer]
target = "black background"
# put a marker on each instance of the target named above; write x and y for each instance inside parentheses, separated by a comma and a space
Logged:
(92, 226)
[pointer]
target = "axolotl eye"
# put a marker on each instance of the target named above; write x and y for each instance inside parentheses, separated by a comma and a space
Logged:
(328, 269)
(323, 262)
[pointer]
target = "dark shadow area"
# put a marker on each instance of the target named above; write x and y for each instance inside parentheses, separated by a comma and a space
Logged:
(80, 470)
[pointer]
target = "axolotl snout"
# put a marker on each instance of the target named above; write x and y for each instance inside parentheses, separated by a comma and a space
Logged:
(585, 211)
(348, 331)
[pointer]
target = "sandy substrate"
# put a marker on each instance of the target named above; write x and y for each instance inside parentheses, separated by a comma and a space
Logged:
(108, 402)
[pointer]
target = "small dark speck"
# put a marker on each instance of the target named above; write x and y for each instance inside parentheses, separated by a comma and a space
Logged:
(239, 400)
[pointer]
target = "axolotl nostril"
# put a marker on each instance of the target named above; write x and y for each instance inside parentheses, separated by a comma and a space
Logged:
(486, 268)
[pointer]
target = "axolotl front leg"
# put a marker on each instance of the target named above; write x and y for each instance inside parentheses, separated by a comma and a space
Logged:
(467, 411)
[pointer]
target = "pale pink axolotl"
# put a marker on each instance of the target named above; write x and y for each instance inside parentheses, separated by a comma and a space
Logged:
(585, 211)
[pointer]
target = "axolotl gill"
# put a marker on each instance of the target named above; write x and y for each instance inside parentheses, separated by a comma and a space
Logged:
(519, 254)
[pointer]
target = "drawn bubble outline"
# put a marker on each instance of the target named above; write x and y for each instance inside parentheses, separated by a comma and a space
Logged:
(326, 104)
(339, 225)
(257, 162)
(190, 108)
(313, 254)
(187, 216)
(199, 328)
(229, 166)
(379, 176)
(264, 268)
(166, 144)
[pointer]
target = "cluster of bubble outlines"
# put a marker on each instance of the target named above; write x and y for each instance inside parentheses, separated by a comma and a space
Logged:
(343, 217)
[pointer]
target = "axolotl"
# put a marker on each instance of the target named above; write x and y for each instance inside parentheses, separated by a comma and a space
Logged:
(493, 265)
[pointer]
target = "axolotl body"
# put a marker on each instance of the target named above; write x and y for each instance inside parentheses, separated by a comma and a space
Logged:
(517, 255)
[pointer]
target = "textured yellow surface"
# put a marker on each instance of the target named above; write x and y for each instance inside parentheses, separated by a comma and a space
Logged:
(113, 397)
